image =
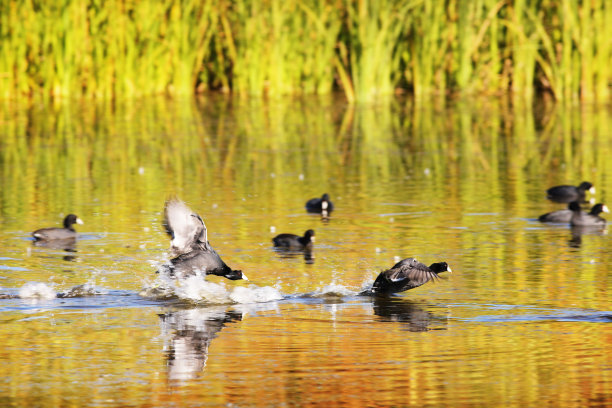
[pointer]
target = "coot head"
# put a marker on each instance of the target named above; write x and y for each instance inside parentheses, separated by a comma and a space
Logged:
(325, 201)
(586, 186)
(599, 208)
(70, 220)
(235, 275)
(440, 267)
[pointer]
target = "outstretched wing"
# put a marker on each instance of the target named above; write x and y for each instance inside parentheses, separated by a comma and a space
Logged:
(412, 276)
(406, 274)
(183, 225)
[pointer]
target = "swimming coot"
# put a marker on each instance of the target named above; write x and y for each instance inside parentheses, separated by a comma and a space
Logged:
(68, 232)
(291, 241)
(407, 274)
(557, 216)
(190, 245)
(582, 219)
(320, 205)
(567, 194)
(564, 216)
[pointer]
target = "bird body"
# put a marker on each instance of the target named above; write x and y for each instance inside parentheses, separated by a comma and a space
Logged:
(320, 205)
(190, 245)
(567, 194)
(407, 274)
(556, 216)
(66, 233)
(565, 216)
(582, 219)
(189, 263)
(292, 241)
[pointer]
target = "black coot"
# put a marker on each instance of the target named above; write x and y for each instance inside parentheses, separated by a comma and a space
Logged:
(582, 219)
(190, 244)
(320, 205)
(567, 194)
(564, 216)
(291, 241)
(407, 274)
(557, 216)
(66, 233)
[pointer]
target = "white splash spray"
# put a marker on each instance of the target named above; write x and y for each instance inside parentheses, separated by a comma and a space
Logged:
(37, 290)
(199, 290)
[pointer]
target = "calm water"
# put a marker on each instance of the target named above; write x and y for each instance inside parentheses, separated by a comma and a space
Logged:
(524, 320)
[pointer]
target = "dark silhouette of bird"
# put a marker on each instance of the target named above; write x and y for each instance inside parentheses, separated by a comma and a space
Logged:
(321, 205)
(407, 274)
(583, 219)
(567, 194)
(564, 216)
(292, 241)
(66, 233)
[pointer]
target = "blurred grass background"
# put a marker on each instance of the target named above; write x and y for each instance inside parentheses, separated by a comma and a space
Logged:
(364, 48)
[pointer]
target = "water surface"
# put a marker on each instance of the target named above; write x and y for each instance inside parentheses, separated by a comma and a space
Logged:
(524, 320)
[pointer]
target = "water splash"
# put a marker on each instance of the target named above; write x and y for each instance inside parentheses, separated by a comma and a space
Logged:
(197, 289)
(47, 291)
(37, 291)
(255, 294)
(84, 290)
(333, 290)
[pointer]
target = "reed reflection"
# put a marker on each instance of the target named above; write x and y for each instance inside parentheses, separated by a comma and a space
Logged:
(413, 316)
(453, 147)
(188, 334)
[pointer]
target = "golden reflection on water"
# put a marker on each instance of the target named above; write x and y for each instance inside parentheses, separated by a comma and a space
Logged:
(524, 320)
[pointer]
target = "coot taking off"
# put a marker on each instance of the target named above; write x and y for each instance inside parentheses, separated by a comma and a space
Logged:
(190, 243)
(68, 232)
(582, 219)
(407, 274)
(291, 241)
(320, 205)
(566, 194)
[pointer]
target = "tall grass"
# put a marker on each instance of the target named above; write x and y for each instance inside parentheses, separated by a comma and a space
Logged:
(365, 48)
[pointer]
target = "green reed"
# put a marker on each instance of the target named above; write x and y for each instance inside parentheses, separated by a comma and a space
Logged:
(365, 48)
(281, 47)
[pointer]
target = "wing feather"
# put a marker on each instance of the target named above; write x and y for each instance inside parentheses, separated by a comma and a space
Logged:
(183, 225)
(412, 275)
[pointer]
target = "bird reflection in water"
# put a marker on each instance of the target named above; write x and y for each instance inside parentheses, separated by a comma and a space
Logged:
(578, 231)
(285, 253)
(68, 245)
(414, 316)
(188, 334)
